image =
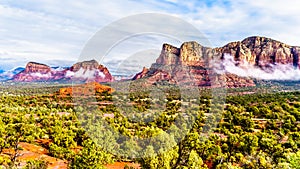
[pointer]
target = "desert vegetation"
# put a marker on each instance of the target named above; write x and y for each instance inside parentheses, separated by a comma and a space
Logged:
(252, 130)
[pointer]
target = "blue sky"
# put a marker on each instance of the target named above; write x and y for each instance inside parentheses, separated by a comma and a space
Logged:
(55, 32)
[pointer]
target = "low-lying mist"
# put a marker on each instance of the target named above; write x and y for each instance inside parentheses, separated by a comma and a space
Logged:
(272, 72)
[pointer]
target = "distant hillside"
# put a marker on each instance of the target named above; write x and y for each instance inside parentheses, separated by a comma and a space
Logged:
(80, 72)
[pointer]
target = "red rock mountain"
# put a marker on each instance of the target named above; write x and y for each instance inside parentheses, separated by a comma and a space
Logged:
(91, 71)
(191, 64)
(33, 67)
(262, 52)
(80, 72)
(33, 72)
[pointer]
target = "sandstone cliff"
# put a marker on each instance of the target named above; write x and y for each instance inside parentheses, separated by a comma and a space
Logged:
(33, 67)
(258, 51)
(191, 62)
(91, 71)
(33, 72)
(262, 52)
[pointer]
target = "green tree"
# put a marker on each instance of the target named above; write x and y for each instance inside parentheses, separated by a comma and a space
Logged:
(294, 160)
(195, 161)
(36, 164)
(90, 157)
(149, 159)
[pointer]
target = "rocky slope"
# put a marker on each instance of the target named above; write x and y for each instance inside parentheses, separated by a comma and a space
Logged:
(192, 64)
(141, 74)
(80, 72)
(91, 71)
(33, 72)
(262, 52)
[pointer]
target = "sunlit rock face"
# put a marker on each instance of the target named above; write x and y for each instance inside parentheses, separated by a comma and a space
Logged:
(263, 52)
(90, 71)
(193, 64)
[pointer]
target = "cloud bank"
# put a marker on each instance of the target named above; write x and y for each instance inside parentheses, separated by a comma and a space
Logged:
(275, 72)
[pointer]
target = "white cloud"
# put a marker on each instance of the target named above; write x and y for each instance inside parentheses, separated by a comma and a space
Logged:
(50, 31)
(69, 74)
(40, 75)
(278, 72)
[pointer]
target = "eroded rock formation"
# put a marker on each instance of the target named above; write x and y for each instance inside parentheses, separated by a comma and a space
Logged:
(86, 71)
(33, 72)
(90, 71)
(192, 63)
(262, 52)
(33, 67)
(85, 89)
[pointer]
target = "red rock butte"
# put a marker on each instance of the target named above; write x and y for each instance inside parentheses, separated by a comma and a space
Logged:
(90, 88)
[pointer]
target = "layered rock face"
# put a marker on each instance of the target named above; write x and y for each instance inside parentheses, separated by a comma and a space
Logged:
(33, 72)
(87, 65)
(91, 71)
(86, 71)
(189, 54)
(262, 52)
(191, 64)
(33, 67)
(187, 65)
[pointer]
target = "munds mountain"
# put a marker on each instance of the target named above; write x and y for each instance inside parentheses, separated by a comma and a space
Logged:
(80, 72)
(191, 64)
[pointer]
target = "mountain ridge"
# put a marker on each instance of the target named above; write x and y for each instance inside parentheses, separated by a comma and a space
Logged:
(193, 59)
(78, 72)
(255, 46)
(191, 63)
